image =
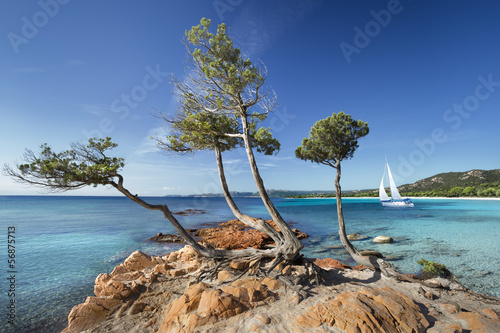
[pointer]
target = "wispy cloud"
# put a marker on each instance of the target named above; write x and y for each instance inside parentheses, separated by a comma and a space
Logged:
(95, 109)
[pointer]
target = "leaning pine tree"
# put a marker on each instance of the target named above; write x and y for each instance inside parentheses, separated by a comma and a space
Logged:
(221, 83)
(330, 141)
(90, 165)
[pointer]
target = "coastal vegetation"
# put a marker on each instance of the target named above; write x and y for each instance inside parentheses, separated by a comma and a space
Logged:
(331, 141)
(221, 104)
(432, 269)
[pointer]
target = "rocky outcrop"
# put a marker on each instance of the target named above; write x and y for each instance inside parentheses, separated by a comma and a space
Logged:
(162, 294)
(201, 305)
(234, 235)
(125, 290)
(230, 235)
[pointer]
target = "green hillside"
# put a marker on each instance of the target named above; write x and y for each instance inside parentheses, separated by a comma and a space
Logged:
(481, 183)
(473, 183)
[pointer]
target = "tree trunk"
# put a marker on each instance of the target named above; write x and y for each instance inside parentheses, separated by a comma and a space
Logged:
(202, 250)
(255, 223)
(291, 245)
(362, 260)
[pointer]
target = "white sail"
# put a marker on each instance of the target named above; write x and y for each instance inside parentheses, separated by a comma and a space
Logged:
(381, 191)
(394, 190)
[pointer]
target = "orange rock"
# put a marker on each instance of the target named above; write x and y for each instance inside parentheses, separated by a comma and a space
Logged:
(162, 268)
(271, 283)
(238, 264)
(478, 323)
(240, 293)
(224, 276)
(450, 308)
(214, 304)
(256, 290)
(329, 263)
(92, 312)
(368, 310)
(490, 313)
(199, 306)
(137, 261)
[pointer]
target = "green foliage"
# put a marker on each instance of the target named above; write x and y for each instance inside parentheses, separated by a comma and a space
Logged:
(216, 98)
(222, 63)
(202, 131)
(432, 269)
(78, 167)
(332, 139)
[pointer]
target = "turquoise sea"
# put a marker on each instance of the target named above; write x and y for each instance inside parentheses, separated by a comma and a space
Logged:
(62, 243)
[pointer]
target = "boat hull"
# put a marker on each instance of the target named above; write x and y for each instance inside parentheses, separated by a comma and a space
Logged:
(398, 203)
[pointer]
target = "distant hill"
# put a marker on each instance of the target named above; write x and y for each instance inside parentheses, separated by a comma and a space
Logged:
(449, 180)
(473, 183)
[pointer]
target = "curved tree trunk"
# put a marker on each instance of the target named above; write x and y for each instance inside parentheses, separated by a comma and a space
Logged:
(291, 245)
(202, 250)
(255, 223)
(362, 260)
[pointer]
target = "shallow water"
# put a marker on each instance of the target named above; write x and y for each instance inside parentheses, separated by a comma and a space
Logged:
(63, 243)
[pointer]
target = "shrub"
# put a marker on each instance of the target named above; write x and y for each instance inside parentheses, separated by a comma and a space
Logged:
(432, 269)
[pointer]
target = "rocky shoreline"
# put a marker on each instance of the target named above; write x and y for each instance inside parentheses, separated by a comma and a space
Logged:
(164, 294)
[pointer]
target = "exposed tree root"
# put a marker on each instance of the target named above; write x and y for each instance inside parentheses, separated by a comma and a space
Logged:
(261, 266)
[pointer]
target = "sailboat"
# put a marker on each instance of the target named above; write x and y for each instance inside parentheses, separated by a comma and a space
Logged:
(395, 200)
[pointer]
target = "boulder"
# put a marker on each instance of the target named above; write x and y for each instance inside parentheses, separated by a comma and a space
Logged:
(137, 261)
(367, 310)
(238, 264)
(329, 263)
(355, 237)
(383, 239)
(92, 312)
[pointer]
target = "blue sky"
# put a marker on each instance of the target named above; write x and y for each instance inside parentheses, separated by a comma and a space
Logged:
(425, 75)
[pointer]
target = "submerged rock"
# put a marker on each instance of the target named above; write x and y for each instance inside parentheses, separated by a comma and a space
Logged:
(356, 237)
(190, 212)
(383, 239)
(167, 238)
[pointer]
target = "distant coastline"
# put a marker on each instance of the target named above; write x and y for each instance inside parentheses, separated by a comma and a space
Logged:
(376, 198)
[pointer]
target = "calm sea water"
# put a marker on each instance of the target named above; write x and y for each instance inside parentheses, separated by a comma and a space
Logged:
(63, 243)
